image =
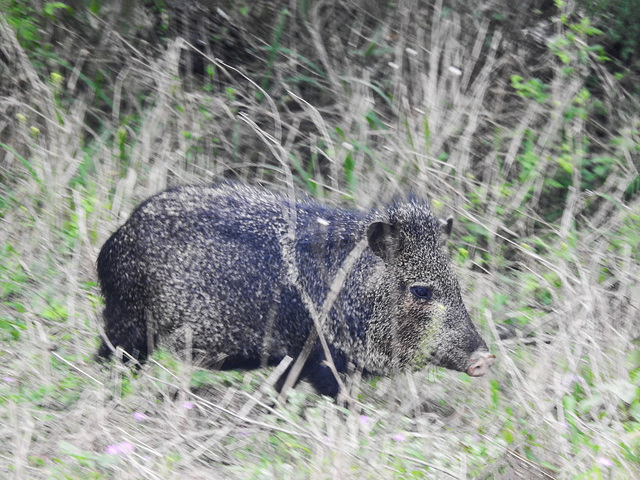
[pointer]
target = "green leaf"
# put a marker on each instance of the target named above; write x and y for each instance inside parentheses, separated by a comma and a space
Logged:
(51, 7)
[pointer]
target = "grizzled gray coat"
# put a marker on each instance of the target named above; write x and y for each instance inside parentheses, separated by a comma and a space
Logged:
(205, 265)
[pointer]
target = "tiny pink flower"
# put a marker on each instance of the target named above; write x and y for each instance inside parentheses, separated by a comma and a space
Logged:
(605, 462)
(399, 437)
(8, 379)
(122, 448)
(188, 405)
(112, 449)
(364, 420)
(139, 416)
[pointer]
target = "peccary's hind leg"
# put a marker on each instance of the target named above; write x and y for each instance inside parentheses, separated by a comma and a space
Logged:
(122, 281)
(125, 328)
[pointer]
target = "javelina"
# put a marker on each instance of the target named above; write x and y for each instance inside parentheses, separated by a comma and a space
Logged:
(218, 265)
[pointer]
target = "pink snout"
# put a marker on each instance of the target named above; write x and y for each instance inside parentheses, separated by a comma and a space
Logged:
(480, 362)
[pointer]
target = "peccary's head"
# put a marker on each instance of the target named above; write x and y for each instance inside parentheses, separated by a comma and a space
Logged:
(420, 316)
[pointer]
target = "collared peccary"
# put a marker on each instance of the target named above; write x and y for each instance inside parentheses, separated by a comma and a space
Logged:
(236, 274)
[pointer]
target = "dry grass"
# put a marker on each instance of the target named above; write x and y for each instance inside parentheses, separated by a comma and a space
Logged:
(401, 105)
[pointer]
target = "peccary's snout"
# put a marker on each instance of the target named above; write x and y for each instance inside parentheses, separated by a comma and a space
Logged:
(480, 362)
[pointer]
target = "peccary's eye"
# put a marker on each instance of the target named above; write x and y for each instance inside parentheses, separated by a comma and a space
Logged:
(422, 292)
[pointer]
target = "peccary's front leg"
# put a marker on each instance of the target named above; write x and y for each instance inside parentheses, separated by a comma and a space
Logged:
(318, 373)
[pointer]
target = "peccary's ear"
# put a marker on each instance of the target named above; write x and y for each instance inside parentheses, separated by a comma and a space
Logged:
(383, 239)
(446, 225)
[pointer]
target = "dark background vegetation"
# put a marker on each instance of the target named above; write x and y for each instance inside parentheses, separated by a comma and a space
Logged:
(519, 118)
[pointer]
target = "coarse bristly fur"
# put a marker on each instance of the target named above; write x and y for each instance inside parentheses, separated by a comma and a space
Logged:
(206, 263)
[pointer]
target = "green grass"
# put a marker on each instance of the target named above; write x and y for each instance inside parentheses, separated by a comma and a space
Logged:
(536, 159)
